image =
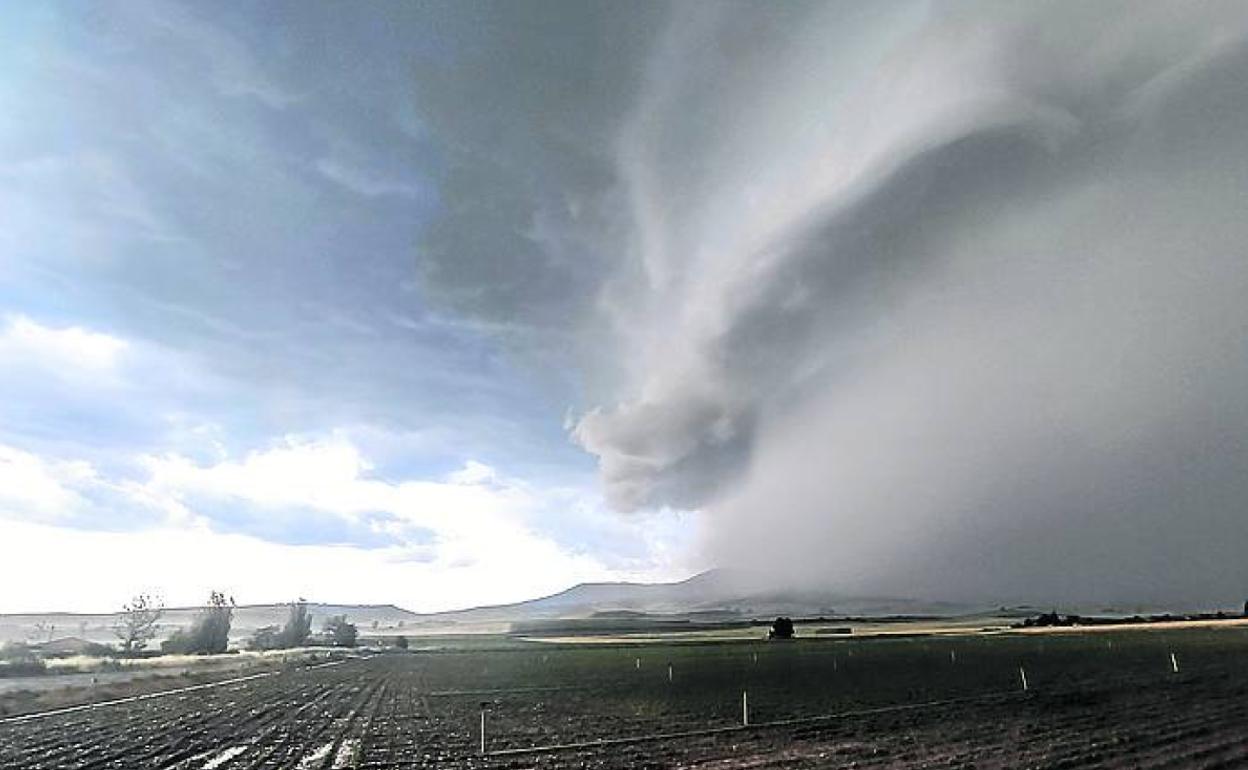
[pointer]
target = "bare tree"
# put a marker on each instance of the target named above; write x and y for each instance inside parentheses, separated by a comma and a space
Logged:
(45, 630)
(138, 623)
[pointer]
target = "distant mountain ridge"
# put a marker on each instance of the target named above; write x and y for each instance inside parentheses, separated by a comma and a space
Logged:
(717, 594)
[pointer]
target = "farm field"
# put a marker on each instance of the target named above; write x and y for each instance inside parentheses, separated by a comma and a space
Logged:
(1093, 700)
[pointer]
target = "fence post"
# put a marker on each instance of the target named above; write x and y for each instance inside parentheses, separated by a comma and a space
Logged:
(745, 708)
(1023, 676)
(483, 729)
(669, 672)
(1174, 663)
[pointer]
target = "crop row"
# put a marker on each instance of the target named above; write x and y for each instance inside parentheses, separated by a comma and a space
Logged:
(1090, 699)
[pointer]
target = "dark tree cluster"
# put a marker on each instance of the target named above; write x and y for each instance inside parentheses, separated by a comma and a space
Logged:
(781, 629)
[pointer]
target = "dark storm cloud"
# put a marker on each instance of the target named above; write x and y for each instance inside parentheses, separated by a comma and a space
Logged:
(527, 108)
(945, 303)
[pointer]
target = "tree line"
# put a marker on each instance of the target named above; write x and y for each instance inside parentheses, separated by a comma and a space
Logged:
(209, 633)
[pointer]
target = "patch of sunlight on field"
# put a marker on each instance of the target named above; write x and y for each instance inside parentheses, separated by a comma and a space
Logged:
(85, 664)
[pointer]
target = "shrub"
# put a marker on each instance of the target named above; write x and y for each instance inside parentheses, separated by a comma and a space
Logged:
(341, 633)
(266, 638)
(17, 659)
(209, 634)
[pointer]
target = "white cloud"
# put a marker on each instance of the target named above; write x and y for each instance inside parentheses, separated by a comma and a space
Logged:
(33, 487)
(486, 547)
(363, 181)
(473, 472)
(485, 526)
(24, 340)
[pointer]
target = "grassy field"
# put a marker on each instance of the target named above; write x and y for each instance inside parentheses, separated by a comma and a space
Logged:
(1091, 700)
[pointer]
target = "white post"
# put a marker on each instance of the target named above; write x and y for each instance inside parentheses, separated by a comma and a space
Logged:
(745, 709)
(953, 656)
(756, 657)
(1174, 663)
(669, 672)
(1023, 676)
(483, 732)
(637, 664)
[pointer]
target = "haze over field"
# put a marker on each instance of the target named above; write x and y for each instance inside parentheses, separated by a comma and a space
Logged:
(446, 304)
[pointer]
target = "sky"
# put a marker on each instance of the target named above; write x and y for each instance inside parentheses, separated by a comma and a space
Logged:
(444, 304)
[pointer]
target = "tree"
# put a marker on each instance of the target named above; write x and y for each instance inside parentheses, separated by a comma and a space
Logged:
(210, 633)
(298, 626)
(400, 642)
(138, 623)
(341, 633)
(214, 625)
(781, 629)
(44, 630)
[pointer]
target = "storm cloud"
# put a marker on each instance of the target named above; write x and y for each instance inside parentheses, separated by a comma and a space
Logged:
(937, 299)
(941, 301)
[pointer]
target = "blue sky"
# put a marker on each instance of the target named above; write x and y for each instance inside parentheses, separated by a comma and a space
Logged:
(228, 240)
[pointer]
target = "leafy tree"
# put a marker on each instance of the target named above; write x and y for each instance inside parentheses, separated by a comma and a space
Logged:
(400, 642)
(210, 633)
(341, 633)
(298, 626)
(214, 626)
(138, 623)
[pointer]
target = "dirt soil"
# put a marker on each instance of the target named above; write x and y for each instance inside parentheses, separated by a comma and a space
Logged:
(423, 710)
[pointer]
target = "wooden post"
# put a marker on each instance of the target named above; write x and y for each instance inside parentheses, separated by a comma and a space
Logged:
(483, 729)
(745, 708)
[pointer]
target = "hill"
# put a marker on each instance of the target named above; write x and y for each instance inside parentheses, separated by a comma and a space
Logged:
(716, 596)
